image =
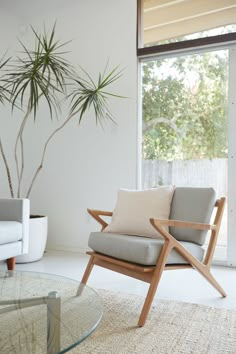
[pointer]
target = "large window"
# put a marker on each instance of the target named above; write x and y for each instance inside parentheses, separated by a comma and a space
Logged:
(188, 85)
(185, 123)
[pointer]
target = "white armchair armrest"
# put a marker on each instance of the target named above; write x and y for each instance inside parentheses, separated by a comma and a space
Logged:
(17, 210)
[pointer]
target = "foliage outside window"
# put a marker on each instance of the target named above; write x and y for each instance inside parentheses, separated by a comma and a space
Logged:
(184, 107)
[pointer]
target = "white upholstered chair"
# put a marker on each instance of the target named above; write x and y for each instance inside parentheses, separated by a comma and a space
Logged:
(181, 247)
(14, 229)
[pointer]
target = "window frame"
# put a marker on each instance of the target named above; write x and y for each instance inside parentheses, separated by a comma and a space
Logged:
(195, 45)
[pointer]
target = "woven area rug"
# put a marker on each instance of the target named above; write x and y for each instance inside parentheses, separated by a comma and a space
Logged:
(171, 328)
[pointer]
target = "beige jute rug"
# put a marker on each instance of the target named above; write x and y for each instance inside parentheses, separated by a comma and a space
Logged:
(171, 328)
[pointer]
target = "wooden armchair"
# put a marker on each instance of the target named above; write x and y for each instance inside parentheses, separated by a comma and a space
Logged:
(180, 248)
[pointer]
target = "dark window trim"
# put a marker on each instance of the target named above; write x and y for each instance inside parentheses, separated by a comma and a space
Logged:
(223, 38)
(199, 42)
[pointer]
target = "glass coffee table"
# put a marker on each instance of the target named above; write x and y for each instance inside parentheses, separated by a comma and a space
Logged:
(42, 313)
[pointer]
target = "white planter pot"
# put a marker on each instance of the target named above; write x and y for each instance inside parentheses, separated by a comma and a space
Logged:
(38, 230)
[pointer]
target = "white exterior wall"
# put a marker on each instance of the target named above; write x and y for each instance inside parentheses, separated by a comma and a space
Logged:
(85, 165)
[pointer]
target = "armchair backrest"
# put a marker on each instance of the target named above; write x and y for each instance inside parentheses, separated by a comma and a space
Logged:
(192, 204)
(13, 209)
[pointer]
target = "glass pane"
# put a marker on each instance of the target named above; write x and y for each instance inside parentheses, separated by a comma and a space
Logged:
(184, 141)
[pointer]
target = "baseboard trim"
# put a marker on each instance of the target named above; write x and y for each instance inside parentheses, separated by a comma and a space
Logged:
(59, 248)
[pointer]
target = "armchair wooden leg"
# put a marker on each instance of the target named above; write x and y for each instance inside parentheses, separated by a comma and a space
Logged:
(202, 269)
(154, 282)
(209, 277)
(11, 263)
(85, 276)
(88, 270)
(149, 298)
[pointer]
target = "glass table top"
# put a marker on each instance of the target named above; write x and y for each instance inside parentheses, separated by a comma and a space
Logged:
(42, 313)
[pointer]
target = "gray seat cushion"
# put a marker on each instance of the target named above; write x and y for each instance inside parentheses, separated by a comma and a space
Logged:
(140, 250)
(192, 204)
(10, 231)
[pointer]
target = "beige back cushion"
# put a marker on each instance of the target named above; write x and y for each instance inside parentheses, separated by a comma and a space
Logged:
(134, 209)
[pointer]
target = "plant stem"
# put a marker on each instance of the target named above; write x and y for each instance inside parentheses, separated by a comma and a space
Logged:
(22, 165)
(19, 137)
(7, 169)
(44, 152)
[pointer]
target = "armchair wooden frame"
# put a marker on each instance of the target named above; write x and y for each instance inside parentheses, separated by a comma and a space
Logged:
(152, 274)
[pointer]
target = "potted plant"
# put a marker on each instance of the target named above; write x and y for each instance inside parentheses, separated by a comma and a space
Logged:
(40, 75)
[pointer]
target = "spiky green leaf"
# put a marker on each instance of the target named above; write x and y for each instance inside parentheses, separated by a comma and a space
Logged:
(86, 94)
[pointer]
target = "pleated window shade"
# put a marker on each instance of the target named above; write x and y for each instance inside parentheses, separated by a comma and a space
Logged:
(164, 20)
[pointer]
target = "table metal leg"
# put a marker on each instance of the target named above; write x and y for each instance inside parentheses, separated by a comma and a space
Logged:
(53, 303)
(53, 323)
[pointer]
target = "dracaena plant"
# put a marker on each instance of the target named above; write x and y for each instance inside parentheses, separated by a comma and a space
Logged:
(44, 75)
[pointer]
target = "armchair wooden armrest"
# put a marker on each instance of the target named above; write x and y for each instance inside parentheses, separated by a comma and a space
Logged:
(184, 224)
(159, 223)
(96, 215)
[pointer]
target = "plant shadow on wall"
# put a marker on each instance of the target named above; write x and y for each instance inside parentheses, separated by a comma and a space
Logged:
(45, 75)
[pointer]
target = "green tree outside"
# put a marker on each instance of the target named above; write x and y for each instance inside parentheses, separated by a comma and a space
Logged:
(185, 107)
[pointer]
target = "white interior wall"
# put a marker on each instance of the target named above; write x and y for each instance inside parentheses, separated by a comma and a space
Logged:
(85, 165)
